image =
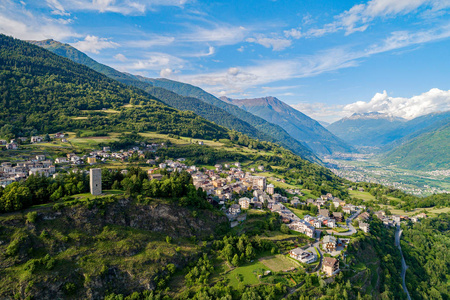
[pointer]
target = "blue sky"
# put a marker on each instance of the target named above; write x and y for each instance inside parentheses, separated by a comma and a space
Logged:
(326, 58)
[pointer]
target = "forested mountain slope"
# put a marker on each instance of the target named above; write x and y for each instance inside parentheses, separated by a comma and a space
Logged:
(297, 124)
(246, 123)
(426, 246)
(193, 91)
(427, 151)
(415, 127)
(42, 92)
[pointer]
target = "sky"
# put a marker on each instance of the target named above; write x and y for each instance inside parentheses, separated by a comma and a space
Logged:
(326, 58)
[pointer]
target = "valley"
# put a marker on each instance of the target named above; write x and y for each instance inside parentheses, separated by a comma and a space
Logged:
(117, 186)
(368, 168)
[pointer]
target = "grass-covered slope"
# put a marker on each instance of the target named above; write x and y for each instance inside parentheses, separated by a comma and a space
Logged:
(209, 110)
(42, 92)
(428, 151)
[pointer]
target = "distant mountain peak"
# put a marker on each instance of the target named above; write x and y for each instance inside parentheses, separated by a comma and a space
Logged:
(296, 123)
(375, 115)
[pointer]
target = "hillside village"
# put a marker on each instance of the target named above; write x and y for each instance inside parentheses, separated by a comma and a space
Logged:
(234, 191)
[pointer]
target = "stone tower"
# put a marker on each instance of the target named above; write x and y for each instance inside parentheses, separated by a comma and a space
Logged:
(96, 181)
(270, 189)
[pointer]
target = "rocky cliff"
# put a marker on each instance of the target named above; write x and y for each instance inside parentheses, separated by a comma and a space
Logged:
(91, 249)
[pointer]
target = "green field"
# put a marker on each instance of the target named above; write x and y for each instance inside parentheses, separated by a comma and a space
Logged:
(366, 196)
(300, 213)
(247, 274)
(279, 263)
(339, 229)
(428, 211)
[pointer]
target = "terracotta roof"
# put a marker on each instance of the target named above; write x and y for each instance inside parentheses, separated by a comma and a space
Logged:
(329, 261)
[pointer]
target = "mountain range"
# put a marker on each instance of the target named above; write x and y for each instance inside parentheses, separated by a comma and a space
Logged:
(186, 97)
(418, 144)
(425, 147)
(382, 130)
(367, 129)
(297, 124)
(270, 119)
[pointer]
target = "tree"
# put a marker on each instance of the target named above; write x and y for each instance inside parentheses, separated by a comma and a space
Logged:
(227, 252)
(241, 245)
(235, 261)
(284, 228)
(250, 252)
(15, 197)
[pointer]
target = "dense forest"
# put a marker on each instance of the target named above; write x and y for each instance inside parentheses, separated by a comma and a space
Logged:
(426, 247)
(41, 92)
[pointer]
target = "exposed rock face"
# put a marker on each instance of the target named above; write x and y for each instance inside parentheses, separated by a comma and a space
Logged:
(167, 219)
(98, 248)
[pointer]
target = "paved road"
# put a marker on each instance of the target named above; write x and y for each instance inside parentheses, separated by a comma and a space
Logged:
(398, 234)
(352, 229)
(319, 267)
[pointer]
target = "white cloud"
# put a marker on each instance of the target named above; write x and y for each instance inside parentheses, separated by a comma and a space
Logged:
(125, 7)
(293, 33)
(211, 51)
(238, 79)
(401, 39)
(17, 21)
(94, 44)
(435, 100)
(264, 72)
(321, 111)
(359, 17)
(156, 61)
(270, 89)
(220, 35)
(432, 101)
(58, 9)
(120, 57)
(169, 73)
(276, 43)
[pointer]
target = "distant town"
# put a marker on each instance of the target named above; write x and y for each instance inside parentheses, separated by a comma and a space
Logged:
(359, 168)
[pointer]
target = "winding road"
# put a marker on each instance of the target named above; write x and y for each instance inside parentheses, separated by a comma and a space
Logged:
(398, 234)
(349, 220)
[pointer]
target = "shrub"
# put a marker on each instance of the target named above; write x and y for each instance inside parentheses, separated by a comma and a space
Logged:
(31, 217)
(69, 288)
(13, 248)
